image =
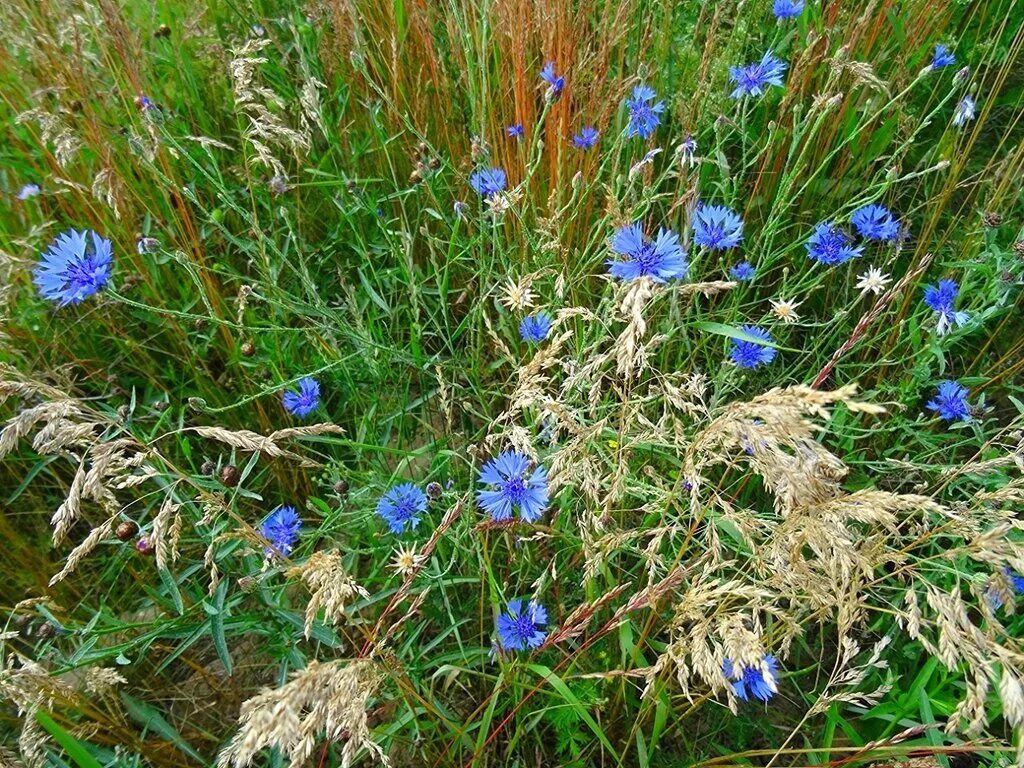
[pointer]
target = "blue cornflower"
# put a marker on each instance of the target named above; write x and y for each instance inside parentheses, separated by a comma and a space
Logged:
(509, 484)
(744, 271)
(401, 507)
(520, 627)
(547, 74)
(716, 227)
(304, 400)
(941, 298)
(586, 138)
(787, 9)
(754, 79)
(515, 131)
(27, 191)
(942, 57)
(644, 112)
(535, 328)
(875, 222)
(951, 401)
(281, 529)
(751, 354)
(487, 181)
(70, 271)
(1016, 586)
(661, 260)
(830, 245)
(964, 111)
(758, 682)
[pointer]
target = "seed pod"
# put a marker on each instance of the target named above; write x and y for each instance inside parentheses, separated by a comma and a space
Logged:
(341, 487)
(126, 530)
(230, 475)
(248, 349)
(208, 468)
(434, 491)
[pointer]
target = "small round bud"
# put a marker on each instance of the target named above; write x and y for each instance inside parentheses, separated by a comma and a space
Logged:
(162, 31)
(341, 487)
(143, 546)
(434, 490)
(248, 349)
(991, 219)
(230, 475)
(199, 324)
(126, 530)
(46, 630)
(1018, 248)
(248, 583)
(208, 468)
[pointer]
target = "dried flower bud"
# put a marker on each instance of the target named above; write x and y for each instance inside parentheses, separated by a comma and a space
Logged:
(434, 490)
(126, 530)
(1018, 248)
(208, 468)
(992, 219)
(46, 630)
(248, 583)
(248, 349)
(230, 475)
(341, 487)
(199, 324)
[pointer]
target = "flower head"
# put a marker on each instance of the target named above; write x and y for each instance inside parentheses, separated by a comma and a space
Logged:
(785, 310)
(515, 131)
(743, 272)
(752, 354)
(830, 245)
(303, 400)
(951, 401)
(70, 270)
(874, 281)
(510, 483)
(687, 151)
(281, 529)
(875, 222)
(406, 560)
(754, 79)
(787, 9)
(661, 260)
(557, 83)
(27, 191)
(941, 298)
(716, 227)
(401, 507)
(535, 328)
(964, 112)
(487, 182)
(586, 138)
(756, 681)
(942, 57)
(644, 112)
(521, 626)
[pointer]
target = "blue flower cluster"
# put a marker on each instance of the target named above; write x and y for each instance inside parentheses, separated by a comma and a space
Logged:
(281, 528)
(753, 681)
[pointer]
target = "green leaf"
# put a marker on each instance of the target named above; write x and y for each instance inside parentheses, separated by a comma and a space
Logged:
(76, 751)
(563, 690)
(150, 718)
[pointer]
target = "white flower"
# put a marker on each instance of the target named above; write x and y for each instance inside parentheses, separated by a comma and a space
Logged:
(406, 560)
(785, 310)
(517, 295)
(873, 280)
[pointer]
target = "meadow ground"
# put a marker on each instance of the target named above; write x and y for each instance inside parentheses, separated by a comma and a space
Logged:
(511, 383)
